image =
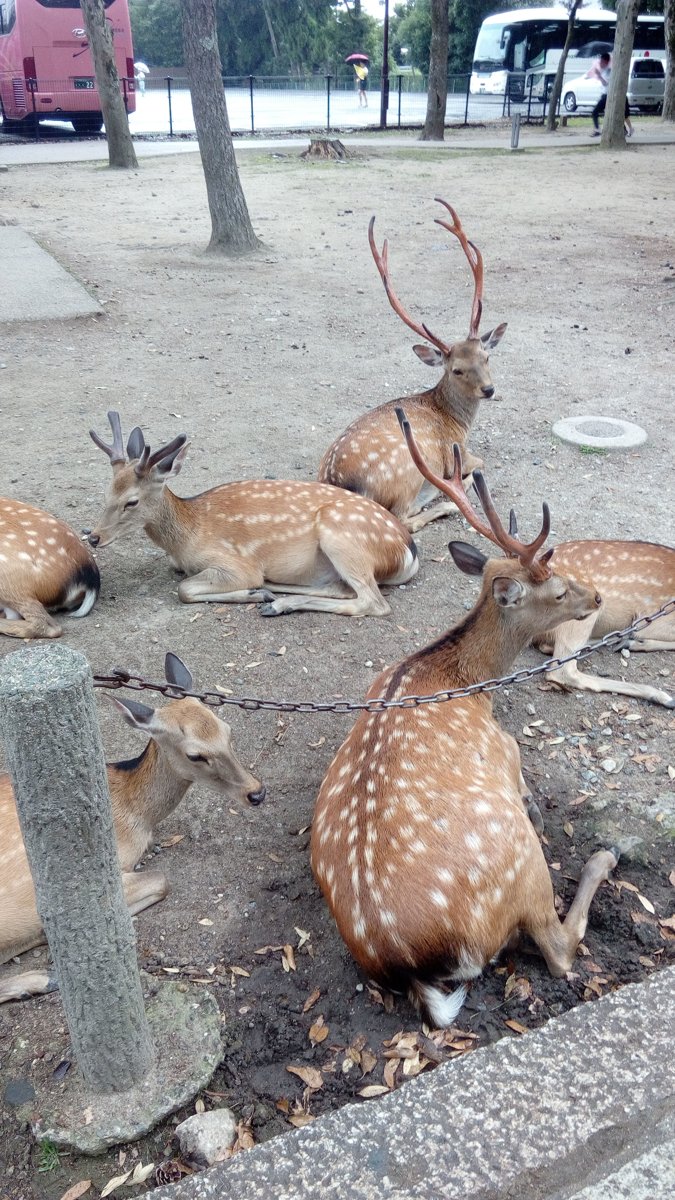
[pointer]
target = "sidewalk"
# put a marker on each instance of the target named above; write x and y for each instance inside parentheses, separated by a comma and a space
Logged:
(583, 1109)
(460, 138)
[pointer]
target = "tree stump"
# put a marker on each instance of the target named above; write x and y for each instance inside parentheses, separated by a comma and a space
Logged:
(327, 148)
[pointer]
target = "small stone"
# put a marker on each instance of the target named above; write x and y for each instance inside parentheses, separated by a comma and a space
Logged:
(18, 1091)
(608, 764)
(205, 1138)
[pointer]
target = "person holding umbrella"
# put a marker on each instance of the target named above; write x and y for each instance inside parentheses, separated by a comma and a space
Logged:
(360, 65)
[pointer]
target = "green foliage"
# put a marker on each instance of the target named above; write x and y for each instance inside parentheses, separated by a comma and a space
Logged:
(411, 29)
(48, 1157)
(262, 37)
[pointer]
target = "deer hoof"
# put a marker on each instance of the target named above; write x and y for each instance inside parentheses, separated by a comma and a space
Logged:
(268, 610)
(534, 813)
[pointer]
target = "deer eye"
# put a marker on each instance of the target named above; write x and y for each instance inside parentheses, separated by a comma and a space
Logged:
(562, 596)
(456, 371)
(131, 503)
(198, 758)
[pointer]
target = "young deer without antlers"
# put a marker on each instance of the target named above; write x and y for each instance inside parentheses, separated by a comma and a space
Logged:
(188, 744)
(43, 567)
(421, 839)
(245, 541)
(371, 457)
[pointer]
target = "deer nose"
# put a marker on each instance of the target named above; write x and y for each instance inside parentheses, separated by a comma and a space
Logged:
(488, 392)
(257, 797)
(93, 539)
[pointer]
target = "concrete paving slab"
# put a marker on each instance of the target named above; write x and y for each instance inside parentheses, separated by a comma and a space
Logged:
(538, 1117)
(35, 287)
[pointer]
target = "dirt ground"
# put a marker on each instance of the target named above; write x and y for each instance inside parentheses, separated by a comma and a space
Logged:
(263, 361)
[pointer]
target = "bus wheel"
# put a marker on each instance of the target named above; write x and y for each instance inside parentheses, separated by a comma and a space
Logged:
(88, 123)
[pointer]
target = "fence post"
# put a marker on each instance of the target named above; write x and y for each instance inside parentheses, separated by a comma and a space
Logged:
(168, 96)
(327, 103)
(250, 89)
(466, 106)
(515, 130)
(53, 748)
(400, 79)
(529, 99)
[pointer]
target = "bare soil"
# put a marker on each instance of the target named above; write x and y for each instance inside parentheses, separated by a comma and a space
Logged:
(263, 361)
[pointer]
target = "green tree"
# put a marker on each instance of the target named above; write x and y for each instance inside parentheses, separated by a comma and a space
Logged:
(155, 26)
(411, 28)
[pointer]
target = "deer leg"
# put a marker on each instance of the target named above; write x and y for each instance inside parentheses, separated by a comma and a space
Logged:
(240, 583)
(571, 636)
(28, 619)
(558, 941)
(531, 807)
(441, 509)
(352, 564)
(637, 645)
(142, 889)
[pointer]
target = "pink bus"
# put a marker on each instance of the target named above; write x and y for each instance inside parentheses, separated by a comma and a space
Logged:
(46, 70)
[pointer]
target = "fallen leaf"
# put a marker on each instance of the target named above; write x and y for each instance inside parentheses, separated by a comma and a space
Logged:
(115, 1183)
(311, 1000)
(288, 959)
(300, 1119)
(646, 962)
(671, 878)
(646, 903)
(390, 1070)
(315, 745)
(225, 691)
(518, 987)
(517, 1027)
(579, 800)
(205, 921)
(568, 828)
(267, 949)
(283, 1105)
(368, 1061)
(304, 936)
(275, 858)
(374, 994)
(240, 971)
(141, 1173)
(309, 1075)
(623, 883)
(671, 772)
(172, 841)
(667, 922)
(318, 1031)
(200, 1106)
(77, 1190)
(171, 970)
(373, 1089)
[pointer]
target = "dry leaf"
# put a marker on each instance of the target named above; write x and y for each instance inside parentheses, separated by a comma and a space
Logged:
(240, 971)
(315, 745)
(646, 962)
(283, 1105)
(268, 949)
(300, 1119)
(646, 903)
(373, 1089)
(368, 1061)
(667, 922)
(249, 666)
(518, 987)
(288, 959)
(205, 921)
(671, 772)
(171, 970)
(671, 878)
(517, 1027)
(172, 841)
(200, 1106)
(311, 1000)
(77, 1190)
(304, 936)
(275, 858)
(568, 828)
(114, 1183)
(390, 1070)
(141, 1173)
(245, 1139)
(374, 994)
(318, 1031)
(309, 1075)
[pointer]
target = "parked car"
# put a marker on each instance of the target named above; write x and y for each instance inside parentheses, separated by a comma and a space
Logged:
(646, 86)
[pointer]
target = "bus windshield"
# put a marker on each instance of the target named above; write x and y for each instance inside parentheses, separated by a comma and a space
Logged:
(491, 47)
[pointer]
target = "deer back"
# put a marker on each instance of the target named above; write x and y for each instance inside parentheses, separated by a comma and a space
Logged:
(42, 558)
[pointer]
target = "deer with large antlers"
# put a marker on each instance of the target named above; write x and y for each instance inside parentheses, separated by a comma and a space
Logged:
(44, 568)
(421, 840)
(324, 549)
(371, 457)
(188, 744)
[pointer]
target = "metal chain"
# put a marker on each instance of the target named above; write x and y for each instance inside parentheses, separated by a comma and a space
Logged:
(120, 678)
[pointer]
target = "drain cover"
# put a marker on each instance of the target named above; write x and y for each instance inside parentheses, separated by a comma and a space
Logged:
(607, 433)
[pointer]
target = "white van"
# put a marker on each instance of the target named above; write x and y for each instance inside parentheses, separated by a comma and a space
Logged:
(646, 85)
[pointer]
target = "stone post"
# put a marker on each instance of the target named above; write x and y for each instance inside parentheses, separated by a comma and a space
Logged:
(50, 732)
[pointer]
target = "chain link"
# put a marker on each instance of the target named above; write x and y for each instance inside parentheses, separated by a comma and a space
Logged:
(120, 678)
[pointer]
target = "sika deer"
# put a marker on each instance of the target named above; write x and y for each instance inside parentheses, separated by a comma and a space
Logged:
(371, 457)
(421, 842)
(188, 744)
(43, 566)
(245, 541)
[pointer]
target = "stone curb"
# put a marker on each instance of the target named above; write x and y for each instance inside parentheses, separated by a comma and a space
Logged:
(35, 287)
(538, 1117)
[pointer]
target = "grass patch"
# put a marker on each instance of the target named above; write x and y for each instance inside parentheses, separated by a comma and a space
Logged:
(593, 450)
(48, 1157)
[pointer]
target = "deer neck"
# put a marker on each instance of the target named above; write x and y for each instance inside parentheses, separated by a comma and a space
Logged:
(482, 646)
(143, 791)
(167, 522)
(459, 409)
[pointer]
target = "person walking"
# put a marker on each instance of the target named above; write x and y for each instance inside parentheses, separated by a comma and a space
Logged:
(601, 70)
(361, 73)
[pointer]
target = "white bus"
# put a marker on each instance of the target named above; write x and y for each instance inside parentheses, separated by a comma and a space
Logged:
(512, 46)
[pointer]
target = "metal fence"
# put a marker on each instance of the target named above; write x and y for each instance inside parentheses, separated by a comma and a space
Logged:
(162, 106)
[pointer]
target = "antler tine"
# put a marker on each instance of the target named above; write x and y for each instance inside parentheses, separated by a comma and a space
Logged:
(475, 259)
(165, 451)
(525, 551)
(452, 487)
(116, 451)
(382, 264)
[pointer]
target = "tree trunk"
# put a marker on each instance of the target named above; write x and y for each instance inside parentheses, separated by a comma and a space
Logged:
(121, 151)
(669, 94)
(437, 93)
(231, 229)
(613, 132)
(554, 99)
(56, 763)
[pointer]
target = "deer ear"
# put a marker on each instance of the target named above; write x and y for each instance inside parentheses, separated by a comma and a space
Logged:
(167, 467)
(429, 355)
(139, 716)
(176, 672)
(135, 444)
(494, 337)
(469, 560)
(507, 592)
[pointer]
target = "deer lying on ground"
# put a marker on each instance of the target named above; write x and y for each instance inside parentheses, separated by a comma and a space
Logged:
(371, 457)
(421, 840)
(188, 744)
(43, 568)
(633, 578)
(246, 541)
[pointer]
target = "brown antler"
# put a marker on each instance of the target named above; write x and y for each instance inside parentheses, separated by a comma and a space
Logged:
(495, 532)
(382, 264)
(475, 262)
(116, 451)
(149, 460)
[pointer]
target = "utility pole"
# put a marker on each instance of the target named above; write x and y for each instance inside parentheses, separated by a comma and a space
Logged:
(384, 84)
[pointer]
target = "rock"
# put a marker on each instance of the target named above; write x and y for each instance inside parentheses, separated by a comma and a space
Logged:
(18, 1091)
(205, 1138)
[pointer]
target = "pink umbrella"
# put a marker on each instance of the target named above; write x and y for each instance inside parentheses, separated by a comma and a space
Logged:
(358, 58)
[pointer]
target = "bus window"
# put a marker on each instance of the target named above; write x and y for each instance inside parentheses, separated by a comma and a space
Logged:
(649, 36)
(491, 46)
